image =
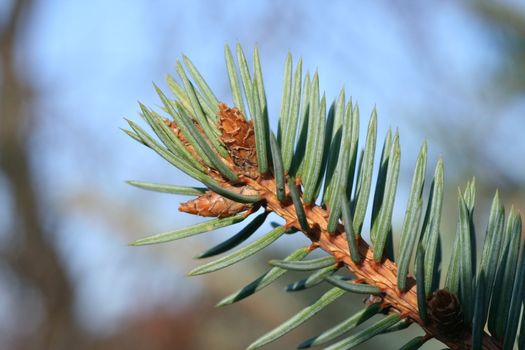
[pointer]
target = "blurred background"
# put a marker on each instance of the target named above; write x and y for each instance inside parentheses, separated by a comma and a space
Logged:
(450, 72)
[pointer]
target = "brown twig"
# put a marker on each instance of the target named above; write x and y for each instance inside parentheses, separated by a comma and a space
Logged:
(383, 275)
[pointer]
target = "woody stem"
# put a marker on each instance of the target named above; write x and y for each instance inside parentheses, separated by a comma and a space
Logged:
(382, 275)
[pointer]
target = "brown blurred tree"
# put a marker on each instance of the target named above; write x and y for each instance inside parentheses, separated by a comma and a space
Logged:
(30, 254)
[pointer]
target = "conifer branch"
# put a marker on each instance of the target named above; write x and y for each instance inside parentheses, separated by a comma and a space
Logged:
(240, 162)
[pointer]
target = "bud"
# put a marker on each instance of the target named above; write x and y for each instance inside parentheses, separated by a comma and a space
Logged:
(239, 137)
(445, 311)
(213, 204)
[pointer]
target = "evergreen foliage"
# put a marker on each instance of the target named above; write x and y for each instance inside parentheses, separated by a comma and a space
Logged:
(317, 179)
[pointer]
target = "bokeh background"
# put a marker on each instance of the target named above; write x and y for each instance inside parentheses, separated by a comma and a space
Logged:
(450, 72)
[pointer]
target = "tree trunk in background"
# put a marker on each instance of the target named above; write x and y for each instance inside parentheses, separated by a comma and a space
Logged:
(30, 255)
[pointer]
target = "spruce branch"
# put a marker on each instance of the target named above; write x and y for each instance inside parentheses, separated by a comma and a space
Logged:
(245, 167)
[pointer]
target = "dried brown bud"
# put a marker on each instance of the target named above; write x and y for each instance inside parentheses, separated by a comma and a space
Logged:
(215, 205)
(239, 137)
(445, 311)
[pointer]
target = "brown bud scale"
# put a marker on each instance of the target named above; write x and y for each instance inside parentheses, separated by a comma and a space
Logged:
(239, 137)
